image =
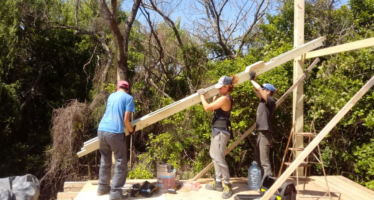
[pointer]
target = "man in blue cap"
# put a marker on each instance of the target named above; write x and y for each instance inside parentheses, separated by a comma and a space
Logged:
(265, 111)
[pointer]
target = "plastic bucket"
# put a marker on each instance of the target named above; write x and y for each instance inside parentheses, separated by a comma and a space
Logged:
(165, 180)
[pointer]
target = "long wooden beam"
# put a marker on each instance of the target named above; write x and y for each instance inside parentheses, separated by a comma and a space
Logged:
(318, 139)
(250, 130)
(289, 55)
(193, 99)
(167, 111)
(341, 48)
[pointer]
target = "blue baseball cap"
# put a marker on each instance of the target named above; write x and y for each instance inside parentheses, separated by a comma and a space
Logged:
(224, 80)
(269, 87)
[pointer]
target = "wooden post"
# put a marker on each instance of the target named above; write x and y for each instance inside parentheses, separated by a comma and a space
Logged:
(318, 139)
(298, 93)
(132, 118)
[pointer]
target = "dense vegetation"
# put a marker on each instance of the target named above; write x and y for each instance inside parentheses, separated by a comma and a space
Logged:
(59, 60)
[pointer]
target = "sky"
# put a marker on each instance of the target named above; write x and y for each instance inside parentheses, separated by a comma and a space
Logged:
(187, 11)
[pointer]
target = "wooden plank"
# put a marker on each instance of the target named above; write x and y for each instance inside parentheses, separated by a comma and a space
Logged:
(72, 189)
(67, 195)
(318, 138)
(338, 186)
(193, 99)
(314, 192)
(250, 130)
(296, 149)
(349, 181)
(342, 48)
(334, 191)
(304, 164)
(303, 134)
(298, 65)
(73, 186)
(351, 187)
(289, 55)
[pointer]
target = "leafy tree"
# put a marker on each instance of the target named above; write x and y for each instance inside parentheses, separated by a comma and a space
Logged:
(40, 71)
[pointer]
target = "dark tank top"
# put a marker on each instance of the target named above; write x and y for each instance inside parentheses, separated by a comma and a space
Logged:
(221, 118)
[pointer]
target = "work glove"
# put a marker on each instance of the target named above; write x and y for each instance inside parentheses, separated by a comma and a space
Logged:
(134, 127)
(201, 91)
(252, 75)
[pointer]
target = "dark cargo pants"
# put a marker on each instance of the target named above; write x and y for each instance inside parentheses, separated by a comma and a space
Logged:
(262, 150)
(112, 142)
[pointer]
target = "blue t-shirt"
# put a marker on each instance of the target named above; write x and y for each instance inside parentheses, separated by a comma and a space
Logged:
(118, 103)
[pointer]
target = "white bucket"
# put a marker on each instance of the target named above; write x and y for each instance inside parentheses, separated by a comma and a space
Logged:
(165, 180)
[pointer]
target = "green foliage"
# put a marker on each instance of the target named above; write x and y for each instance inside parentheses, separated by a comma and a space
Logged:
(363, 12)
(142, 170)
(109, 87)
(183, 138)
(40, 69)
(364, 157)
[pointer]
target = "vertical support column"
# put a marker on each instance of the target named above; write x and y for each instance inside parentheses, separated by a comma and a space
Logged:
(298, 93)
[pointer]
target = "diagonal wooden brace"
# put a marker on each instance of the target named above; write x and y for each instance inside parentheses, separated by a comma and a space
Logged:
(313, 144)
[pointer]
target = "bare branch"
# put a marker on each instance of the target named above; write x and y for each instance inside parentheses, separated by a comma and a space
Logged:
(147, 16)
(171, 24)
(126, 35)
(258, 15)
(212, 10)
(32, 90)
(89, 61)
(94, 36)
(158, 89)
(168, 21)
(76, 14)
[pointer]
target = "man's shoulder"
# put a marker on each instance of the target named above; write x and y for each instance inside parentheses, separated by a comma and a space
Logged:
(271, 100)
(124, 95)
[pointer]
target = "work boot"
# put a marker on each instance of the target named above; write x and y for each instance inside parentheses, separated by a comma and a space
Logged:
(120, 196)
(214, 185)
(227, 191)
(103, 191)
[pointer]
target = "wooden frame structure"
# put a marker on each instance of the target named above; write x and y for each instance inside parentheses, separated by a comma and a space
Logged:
(158, 115)
(300, 52)
(318, 139)
(298, 107)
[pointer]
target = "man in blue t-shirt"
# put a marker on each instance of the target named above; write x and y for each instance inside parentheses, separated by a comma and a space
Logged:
(112, 139)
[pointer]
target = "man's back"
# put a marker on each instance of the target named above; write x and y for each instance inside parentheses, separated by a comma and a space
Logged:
(118, 103)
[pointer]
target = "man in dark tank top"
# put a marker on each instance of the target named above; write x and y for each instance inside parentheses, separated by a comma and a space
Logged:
(264, 113)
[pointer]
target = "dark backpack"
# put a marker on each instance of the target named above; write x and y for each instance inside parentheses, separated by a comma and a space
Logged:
(287, 191)
(146, 189)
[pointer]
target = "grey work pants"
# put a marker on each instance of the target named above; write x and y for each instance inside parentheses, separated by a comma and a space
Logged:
(112, 142)
(217, 153)
(262, 150)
